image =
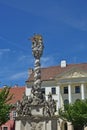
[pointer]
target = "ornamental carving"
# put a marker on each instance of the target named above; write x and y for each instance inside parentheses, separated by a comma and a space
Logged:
(75, 75)
(49, 106)
(37, 46)
(36, 126)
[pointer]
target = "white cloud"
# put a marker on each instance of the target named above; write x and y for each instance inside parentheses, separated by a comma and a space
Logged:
(81, 47)
(25, 60)
(53, 13)
(47, 61)
(25, 57)
(76, 23)
(3, 51)
(19, 75)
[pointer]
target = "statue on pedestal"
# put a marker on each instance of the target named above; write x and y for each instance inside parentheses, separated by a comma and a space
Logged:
(38, 98)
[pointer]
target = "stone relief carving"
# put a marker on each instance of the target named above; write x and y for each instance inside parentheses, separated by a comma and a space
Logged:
(36, 126)
(23, 107)
(76, 75)
(49, 106)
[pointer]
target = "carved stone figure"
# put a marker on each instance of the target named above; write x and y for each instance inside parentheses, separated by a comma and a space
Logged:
(49, 106)
(26, 110)
(37, 46)
(23, 108)
(19, 108)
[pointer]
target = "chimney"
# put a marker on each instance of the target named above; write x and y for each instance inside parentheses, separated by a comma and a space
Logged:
(63, 63)
(16, 85)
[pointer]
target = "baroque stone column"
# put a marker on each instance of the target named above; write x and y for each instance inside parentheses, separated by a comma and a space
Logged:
(35, 112)
(37, 51)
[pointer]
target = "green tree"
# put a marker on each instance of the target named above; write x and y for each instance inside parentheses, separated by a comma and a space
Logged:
(5, 107)
(75, 113)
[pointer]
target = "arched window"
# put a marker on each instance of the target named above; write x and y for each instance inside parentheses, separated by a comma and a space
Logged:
(66, 101)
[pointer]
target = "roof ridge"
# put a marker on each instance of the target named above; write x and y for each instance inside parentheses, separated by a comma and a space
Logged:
(60, 66)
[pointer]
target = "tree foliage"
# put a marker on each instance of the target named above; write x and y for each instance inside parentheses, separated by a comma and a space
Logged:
(75, 113)
(5, 107)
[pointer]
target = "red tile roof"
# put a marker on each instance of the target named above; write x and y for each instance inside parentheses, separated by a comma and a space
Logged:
(50, 72)
(17, 93)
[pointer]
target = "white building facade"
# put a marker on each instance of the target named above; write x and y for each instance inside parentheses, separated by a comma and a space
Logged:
(67, 83)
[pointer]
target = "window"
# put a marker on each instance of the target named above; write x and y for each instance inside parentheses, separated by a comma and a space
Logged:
(77, 89)
(14, 114)
(53, 90)
(43, 90)
(65, 90)
(66, 102)
(5, 128)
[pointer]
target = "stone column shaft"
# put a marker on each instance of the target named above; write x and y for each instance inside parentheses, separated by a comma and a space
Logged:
(59, 99)
(69, 93)
(82, 92)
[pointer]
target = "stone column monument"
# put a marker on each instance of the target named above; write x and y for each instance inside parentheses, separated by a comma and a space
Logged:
(37, 51)
(35, 113)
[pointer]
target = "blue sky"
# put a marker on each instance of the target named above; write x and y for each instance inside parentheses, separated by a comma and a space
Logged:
(62, 23)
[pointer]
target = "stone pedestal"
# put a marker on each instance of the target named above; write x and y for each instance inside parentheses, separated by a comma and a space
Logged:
(18, 125)
(37, 110)
(36, 123)
(85, 128)
(70, 126)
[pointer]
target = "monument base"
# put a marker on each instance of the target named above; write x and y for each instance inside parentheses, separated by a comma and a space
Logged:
(36, 123)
